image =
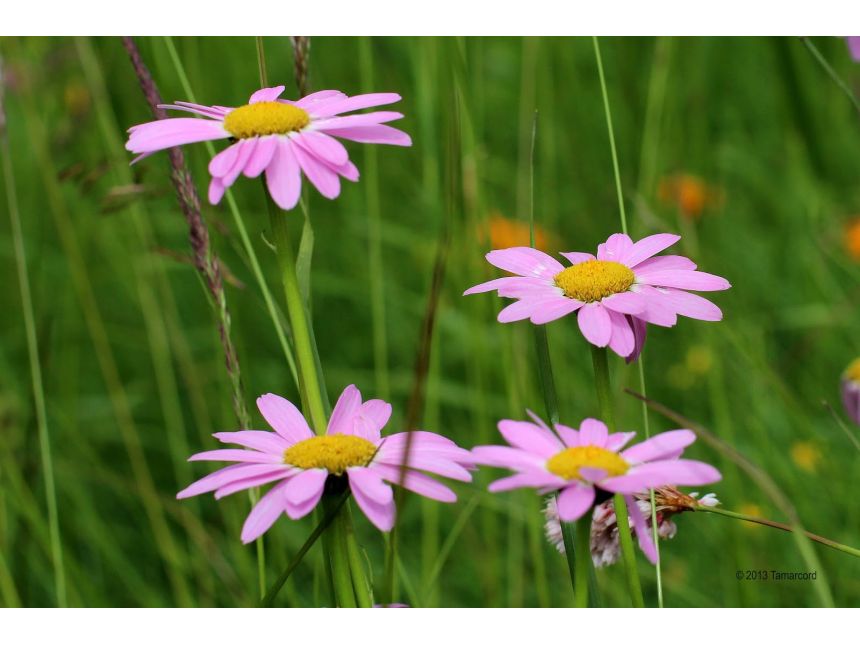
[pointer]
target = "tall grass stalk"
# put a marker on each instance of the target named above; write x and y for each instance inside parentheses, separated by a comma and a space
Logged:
(601, 369)
(35, 365)
(240, 225)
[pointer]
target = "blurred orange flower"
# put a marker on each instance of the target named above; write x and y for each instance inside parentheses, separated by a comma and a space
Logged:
(852, 238)
(690, 194)
(504, 233)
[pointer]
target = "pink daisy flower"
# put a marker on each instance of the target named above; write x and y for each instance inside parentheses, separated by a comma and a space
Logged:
(352, 453)
(283, 138)
(585, 465)
(614, 294)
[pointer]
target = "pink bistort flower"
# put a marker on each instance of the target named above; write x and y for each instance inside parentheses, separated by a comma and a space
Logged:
(283, 138)
(614, 294)
(578, 464)
(352, 449)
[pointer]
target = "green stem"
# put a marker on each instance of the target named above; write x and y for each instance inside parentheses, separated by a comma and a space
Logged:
(853, 551)
(363, 593)
(35, 375)
(308, 377)
(239, 222)
(582, 556)
(654, 536)
(333, 510)
(335, 546)
(608, 114)
(842, 85)
(599, 357)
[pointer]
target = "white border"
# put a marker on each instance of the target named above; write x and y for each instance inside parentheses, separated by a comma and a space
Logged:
(432, 17)
(493, 627)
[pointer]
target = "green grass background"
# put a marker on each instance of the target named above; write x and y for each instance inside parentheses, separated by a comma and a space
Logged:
(133, 371)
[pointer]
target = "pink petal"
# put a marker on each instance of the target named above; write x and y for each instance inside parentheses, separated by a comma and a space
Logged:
(692, 305)
(525, 261)
(300, 511)
(223, 161)
(659, 446)
(625, 303)
(661, 473)
(417, 482)
(555, 309)
(261, 157)
(305, 486)
(234, 455)
(574, 501)
(167, 133)
(283, 177)
(592, 432)
(699, 281)
(530, 437)
(617, 441)
(523, 309)
(264, 514)
(640, 331)
(622, 341)
(615, 248)
(323, 146)
(246, 150)
(254, 481)
(319, 174)
(266, 94)
(531, 479)
(357, 102)
(372, 418)
(382, 515)
(372, 135)
(216, 191)
(568, 435)
(661, 263)
(507, 457)
(357, 120)
(259, 440)
(319, 98)
(342, 417)
(194, 108)
(371, 485)
(647, 247)
(284, 418)
(643, 535)
(434, 464)
(658, 309)
(223, 477)
(595, 325)
(576, 257)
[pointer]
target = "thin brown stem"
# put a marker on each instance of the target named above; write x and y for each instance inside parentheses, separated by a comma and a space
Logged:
(205, 259)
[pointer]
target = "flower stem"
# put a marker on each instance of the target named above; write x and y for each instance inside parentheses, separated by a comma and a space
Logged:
(308, 377)
(853, 551)
(583, 560)
(333, 509)
(599, 357)
(363, 593)
(334, 542)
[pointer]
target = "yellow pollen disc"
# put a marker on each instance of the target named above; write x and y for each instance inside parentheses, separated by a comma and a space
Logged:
(568, 462)
(594, 280)
(853, 371)
(265, 118)
(332, 452)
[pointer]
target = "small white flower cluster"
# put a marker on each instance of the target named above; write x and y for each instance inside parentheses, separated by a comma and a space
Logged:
(605, 548)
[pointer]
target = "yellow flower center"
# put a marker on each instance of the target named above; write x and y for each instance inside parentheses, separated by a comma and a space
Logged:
(265, 118)
(594, 280)
(332, 452)
(568, 462)
(853, 371)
